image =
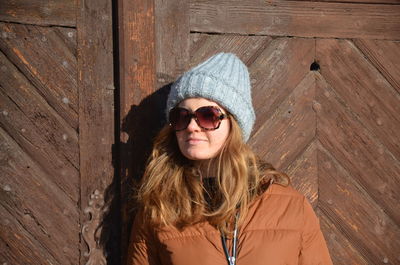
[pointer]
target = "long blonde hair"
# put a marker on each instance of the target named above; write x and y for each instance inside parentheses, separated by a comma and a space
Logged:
(172, 190)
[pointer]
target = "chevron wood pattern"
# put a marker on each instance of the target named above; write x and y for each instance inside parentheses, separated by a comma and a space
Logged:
(39, 145)
(335, 131)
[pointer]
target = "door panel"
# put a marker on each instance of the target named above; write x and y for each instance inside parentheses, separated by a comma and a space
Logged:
(39, 143)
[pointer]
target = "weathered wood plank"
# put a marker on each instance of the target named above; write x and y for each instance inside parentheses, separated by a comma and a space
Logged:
(48, 123)
(45, 59)
(18, 246)
(352, 145)
(172, 39)
(96, 129)
(296, 18)
(68, 35)
(57, 167)
(290, 129)
(304, 175)
(341, 250)
(137, 67)
(366, 225)
(137, 46)
(363, 89)
(384, 55)
(39, 12)
(276, 72)
(36, 203)
(247, 48)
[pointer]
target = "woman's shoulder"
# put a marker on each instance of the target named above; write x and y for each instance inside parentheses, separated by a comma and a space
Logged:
(282, 196)
(279, 207)
(276, 189)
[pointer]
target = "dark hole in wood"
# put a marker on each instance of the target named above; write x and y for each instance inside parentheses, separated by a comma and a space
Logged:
(314, 66)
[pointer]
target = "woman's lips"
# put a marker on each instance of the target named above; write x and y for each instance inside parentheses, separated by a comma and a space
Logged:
(194, 140)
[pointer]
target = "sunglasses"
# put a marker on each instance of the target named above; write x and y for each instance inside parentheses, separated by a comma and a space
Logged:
(207, 117)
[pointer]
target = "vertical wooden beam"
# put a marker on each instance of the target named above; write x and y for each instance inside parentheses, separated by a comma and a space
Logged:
(137, 58)
(137, 81)
(96, 121)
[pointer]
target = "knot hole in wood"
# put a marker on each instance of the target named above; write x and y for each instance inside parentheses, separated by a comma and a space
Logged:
(314, 66)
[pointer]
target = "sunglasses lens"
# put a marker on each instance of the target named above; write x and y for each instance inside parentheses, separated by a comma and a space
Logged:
(179, 118)
(208, 117)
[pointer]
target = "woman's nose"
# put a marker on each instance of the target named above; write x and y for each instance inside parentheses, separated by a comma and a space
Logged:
(193, 126)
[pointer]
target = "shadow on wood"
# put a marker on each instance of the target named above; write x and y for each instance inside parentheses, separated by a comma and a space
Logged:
(142, 124)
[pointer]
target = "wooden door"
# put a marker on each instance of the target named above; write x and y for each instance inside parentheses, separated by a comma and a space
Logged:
(325, 79)
(57, 130)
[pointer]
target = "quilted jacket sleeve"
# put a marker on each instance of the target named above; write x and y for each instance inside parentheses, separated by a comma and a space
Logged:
(142, 246)
(313, 250)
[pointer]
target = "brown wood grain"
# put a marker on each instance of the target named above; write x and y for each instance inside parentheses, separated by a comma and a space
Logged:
(96, 116)
(363, 89)
(340, 248)
(45, 59)
(303, 173)
(358, 152)
(247, 48)
(137, 68)
(290, 129)
(297, 18)
(276, 72)
(137, 56)
(384, 55)
(57, 167)
(39, 124)
(39, 12)
(37, 206)
(172, 39)
(18, 246)
(367, 227)
(68, 36)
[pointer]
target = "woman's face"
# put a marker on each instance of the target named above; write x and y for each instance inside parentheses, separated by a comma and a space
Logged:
(196, 143)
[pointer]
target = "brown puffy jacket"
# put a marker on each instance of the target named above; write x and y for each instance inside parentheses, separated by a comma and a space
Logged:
(280, 228)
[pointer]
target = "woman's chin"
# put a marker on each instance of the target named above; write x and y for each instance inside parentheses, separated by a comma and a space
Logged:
(197, 155)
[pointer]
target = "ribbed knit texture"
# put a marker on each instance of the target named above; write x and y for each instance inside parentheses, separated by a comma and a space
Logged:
(224, 79)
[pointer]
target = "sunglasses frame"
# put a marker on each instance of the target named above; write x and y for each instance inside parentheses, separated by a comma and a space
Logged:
(192, 115)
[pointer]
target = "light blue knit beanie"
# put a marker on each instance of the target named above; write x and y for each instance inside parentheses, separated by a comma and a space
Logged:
(224, 79)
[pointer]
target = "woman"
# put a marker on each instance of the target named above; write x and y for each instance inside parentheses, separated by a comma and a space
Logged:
(205, 197)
